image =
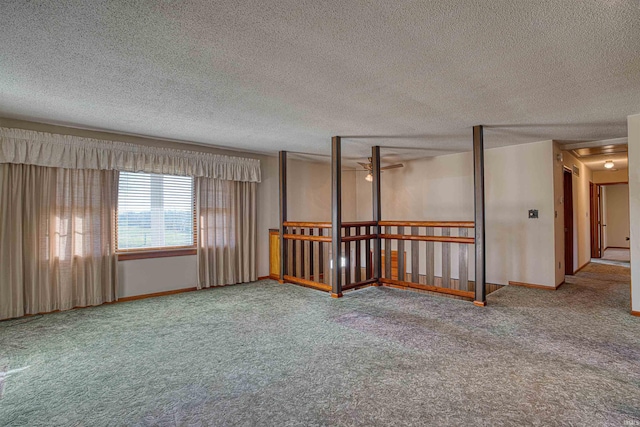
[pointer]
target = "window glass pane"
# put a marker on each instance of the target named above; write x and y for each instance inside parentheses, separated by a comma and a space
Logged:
(154, 211)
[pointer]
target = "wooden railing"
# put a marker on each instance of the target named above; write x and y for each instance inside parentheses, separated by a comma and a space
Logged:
(423, 238)
(438, 249)
(308, 248)
(357, 240)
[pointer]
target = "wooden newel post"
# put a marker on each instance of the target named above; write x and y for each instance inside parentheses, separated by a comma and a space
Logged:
(478, 182)
(377, 212)
(336, 217)
(283, 212)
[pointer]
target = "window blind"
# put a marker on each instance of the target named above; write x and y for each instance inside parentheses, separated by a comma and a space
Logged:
(155, 211)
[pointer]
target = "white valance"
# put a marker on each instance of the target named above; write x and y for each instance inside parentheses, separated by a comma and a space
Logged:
(73, 152)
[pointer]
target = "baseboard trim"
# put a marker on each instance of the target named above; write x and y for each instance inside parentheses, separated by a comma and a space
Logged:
(635, 313)
(155, 294)
(614, 247)
(264, 277)
(534, 286)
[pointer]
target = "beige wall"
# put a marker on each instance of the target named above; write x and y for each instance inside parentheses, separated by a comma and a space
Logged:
(616, 215)
(603, 177)
(558, 203)
(309, 192)
(581, 212)
(517, 178)
(634, 207)
(139, 277)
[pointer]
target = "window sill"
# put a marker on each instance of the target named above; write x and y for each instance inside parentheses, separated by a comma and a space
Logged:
(129, 256)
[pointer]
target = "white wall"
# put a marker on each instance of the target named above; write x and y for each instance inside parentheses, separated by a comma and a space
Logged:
(634, 207)
(581, 211)
(517, 178)
(616, 217)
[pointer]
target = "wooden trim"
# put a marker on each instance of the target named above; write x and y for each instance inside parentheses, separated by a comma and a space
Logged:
(480, 303)
(309, 283)
(635, 313)
(358, 284)
(336, 295)
(444, 239)
(308, 238)
(128, 256)
(615, 247)
(446, 224)
(534, 286)
(359, 237)
(457, 292)
(155, 294)
(307, 224)
(264, 277)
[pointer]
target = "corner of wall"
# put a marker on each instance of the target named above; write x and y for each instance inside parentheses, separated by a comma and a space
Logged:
(633, 123)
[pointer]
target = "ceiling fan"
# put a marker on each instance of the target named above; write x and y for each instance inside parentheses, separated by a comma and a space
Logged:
(368, 167)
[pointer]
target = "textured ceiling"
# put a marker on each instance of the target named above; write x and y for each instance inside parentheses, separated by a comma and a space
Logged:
(267, 76)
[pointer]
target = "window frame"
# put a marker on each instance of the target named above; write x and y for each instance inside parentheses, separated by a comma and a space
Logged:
(159, 252)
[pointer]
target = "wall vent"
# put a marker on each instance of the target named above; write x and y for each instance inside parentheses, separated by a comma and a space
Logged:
(576, 170)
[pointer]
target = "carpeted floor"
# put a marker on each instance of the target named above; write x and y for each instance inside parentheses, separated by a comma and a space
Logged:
(282, 355)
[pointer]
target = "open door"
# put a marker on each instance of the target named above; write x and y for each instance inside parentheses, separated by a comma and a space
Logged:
(568, 222)
(595, 213)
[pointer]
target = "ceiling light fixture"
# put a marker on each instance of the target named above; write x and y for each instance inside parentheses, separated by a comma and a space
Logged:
(369, 177)
(608, 164)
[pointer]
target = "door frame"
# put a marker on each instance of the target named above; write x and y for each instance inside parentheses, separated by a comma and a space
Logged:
(595, 209)
(567, 183)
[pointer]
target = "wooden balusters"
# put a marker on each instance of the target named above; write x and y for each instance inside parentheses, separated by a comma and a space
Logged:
(387, 254)
(431, 260)
(446, 260)
(463, 262)
(367, 250)
(309, 255)
(415, 256)
(358, 260)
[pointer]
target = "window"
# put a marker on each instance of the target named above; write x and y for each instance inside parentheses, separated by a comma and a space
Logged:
(155, 212)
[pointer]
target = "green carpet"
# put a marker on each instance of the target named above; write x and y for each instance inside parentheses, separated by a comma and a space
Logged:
(281, 355)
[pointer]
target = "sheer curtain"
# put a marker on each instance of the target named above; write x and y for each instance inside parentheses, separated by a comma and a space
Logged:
(56, 245)
(226, 232)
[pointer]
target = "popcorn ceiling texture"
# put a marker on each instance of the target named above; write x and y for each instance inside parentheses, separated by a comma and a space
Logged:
(289, 74)
(265, 354)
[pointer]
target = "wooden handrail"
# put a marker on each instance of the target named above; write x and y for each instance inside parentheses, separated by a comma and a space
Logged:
(328, 224)
(307, 224)
(300, 281)
(445, 224)
(443, 239)
(358, 238)
(307, 238)
(358, 284)
(460, 293)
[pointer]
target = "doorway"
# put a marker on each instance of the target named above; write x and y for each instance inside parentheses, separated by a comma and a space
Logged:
(568, 222)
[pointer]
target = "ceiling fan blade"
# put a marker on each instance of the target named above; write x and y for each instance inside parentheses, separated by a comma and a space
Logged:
(399, 165)
(367, 166)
